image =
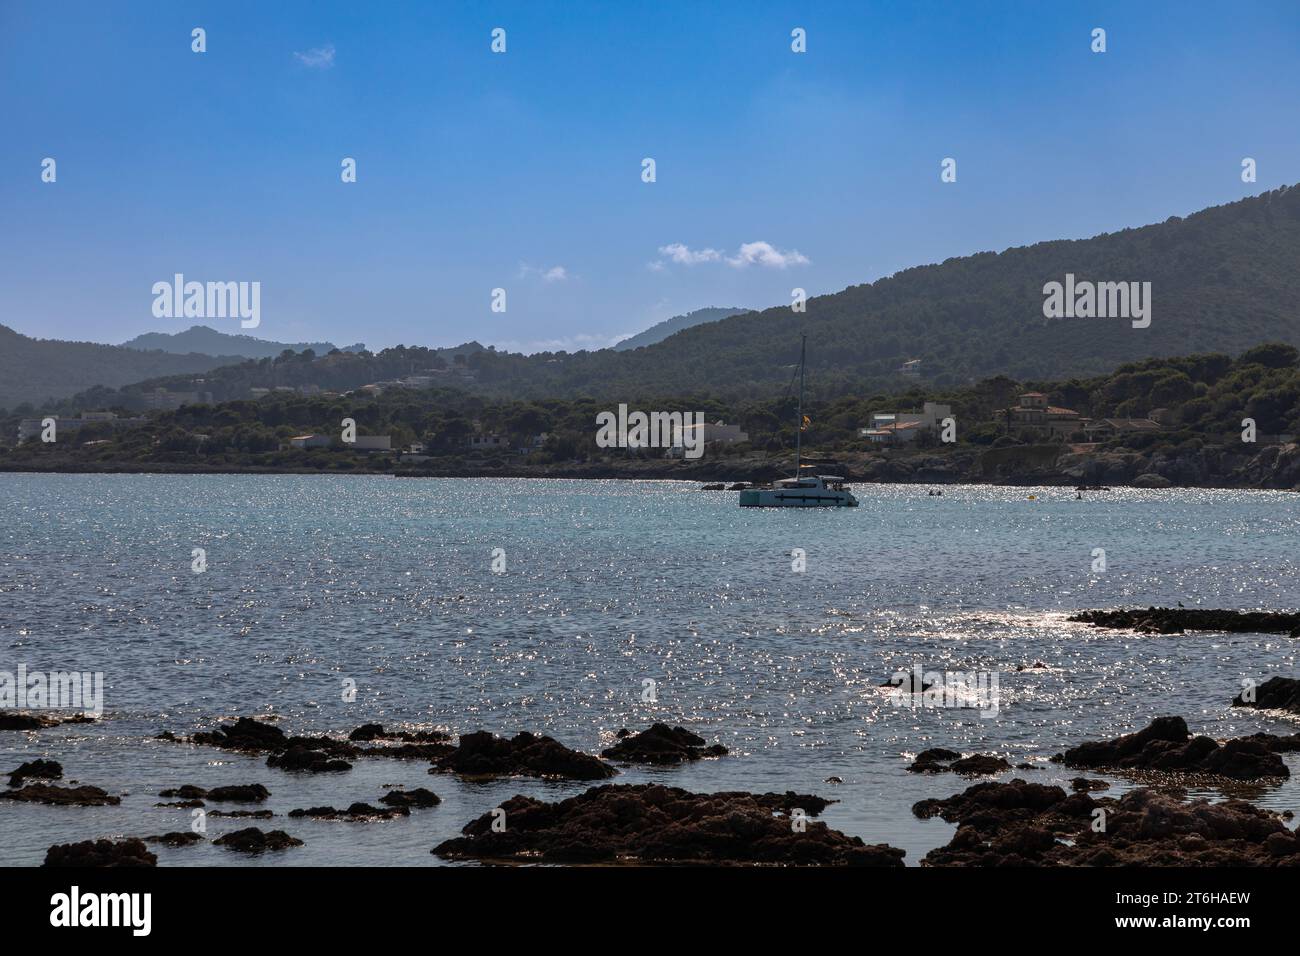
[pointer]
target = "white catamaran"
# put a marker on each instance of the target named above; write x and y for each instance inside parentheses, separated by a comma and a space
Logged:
(804, 490)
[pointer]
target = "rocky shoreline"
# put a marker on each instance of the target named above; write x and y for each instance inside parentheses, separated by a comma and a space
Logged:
(1171, 620)
(1272, 467)
(1013, 823)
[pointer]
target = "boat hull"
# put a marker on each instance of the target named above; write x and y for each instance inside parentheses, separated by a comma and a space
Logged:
(796, 498)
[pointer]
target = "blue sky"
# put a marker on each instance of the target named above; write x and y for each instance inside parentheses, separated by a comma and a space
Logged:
(523, 170)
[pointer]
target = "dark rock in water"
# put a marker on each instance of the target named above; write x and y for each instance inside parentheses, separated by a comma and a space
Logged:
(419, 797)
(652, 824)
(933, 760)
(940, 760)
(304, 760)
(427, 751)
(13, 720)
(833, 780)
(244, 793)
(175, 838)
(84, 796)
(253, 840)
(1284, 744)
(1084, 785)
(714, 486)
(182, 804)
(1023, 824)
(1276, 693)
(738, 486)
(524, 754)
(356, 812)
(369, 732)
(186, 792)
(1174, 620)
(242, 814)
(36, 769)
(1168, 746)
(1035, 666)
(244, 734)
(662, 745)
(977, 765)
(129, 852)
(906, 682)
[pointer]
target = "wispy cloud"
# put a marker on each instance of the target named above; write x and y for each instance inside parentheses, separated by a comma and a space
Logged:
(321, 58)
(570, 343)
(750, 253)
(552, 274)
(683, 255)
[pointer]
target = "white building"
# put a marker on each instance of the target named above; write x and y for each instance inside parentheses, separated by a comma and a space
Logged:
(904, 426)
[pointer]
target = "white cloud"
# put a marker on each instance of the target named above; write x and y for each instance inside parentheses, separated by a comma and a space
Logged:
(553, 274)
(751, 253)
(766, 254)
(685, 256)
(321, 58)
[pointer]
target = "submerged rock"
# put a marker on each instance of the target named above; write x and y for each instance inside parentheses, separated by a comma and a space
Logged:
(245, 814)
(243, 793)
(1085, 785)
(301, 759)
(253, 840)
(408, 751)
(525, 754)
(14, 720)
(1276, 693)
(369, 732)
(652, 824)
(1022, 824)
(1168, 746)
(357, 811)
(128, 852)
(244, 734)
(36, 769)
(1174, 620)
(84, 796)
(417, 798)
(660, 744)
(941, 760)
(175, 838)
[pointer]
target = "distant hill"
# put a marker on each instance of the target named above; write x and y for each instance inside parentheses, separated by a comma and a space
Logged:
(336, 372)
(32, 370)
(208, 341)
(1222, 280)
(661, 330)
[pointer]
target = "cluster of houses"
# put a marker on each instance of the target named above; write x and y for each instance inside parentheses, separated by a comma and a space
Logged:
(1033, 413)
(893, 428)
(33, 427)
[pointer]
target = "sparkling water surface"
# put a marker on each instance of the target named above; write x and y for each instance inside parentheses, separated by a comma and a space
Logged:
(314, 580)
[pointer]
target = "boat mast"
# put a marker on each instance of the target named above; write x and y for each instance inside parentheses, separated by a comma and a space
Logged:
(798, 424)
